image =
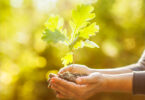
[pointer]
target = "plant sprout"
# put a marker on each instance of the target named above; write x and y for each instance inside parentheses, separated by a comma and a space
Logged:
(81, 30)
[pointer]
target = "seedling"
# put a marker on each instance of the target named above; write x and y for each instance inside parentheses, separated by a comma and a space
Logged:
(81, 30)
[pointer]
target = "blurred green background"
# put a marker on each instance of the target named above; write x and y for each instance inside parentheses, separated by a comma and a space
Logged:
(25, 60)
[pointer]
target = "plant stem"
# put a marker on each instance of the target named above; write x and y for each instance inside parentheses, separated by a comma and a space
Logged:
(73, 56)
(71, 46)
(74, 42)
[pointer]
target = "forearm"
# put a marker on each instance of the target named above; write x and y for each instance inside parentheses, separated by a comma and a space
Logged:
(120, 82)
(125, 69)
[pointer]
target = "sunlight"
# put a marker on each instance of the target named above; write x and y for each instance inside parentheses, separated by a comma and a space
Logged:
(5, 78)
(44, 5)
(110, 49)
(16, 3)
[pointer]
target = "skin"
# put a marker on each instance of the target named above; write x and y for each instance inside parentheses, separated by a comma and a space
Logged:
(80, 91)
(76, 68)
(109, 80)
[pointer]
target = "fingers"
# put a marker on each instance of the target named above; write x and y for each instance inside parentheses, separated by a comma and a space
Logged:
(68, 89)
(65, 69)
(64, 83)
(59, 89)
(75, 68)
(92, 78)
(62, 96)
(83, 80)
(49, 79)
(63, 92)
(52, 75)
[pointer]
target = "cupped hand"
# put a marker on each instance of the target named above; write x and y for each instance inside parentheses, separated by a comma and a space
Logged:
(76, 68)
(86, 86)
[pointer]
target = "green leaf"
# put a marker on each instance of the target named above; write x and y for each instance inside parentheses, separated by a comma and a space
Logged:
(54, 31)
(81, 15)
(90, 44)
(87, 43)
(80, 18)
(53, 36)
(54, 22)
(88, 31)
(67, 59)
(78, 45)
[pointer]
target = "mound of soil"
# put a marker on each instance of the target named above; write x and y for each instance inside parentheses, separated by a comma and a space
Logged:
(71, 76)
(67, 76)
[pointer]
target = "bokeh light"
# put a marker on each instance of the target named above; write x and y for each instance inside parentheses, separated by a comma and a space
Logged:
(26, 60)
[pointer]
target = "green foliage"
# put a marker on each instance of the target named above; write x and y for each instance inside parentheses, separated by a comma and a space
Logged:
(54, 22)
(53, 36)
(80, 18)
(68, 58)
(90, 30)
(86, 43)
(90, 44)
(53, 31)
(81, 27)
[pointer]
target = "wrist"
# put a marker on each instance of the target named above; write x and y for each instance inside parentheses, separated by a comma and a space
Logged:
(102, 83)
(105, 83)
(108, 83)
(120, 82)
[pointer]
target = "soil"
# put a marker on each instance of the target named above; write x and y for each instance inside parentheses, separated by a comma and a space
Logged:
(67, 76)
(71, 76)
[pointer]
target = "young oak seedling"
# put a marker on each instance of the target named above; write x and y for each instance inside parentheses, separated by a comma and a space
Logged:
(81, 30)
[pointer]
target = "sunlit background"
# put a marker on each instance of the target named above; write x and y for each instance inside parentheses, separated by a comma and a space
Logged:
(25, 60)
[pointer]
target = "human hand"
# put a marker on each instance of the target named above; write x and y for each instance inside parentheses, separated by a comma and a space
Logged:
(86, 86)
(76, 68)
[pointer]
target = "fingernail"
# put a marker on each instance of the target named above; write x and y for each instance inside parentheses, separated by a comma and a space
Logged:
(52, 80)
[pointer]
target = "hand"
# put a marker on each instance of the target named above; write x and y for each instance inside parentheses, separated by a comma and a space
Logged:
(86, 86)
(76, 68)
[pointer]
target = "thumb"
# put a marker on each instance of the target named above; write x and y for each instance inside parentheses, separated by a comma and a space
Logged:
(92, 78)
(65, 69)
(83, 80)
